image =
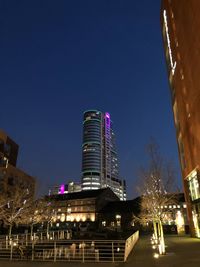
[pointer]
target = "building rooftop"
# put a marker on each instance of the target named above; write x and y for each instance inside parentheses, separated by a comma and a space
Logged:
(134, 205)
(80, 195)
(122, 206)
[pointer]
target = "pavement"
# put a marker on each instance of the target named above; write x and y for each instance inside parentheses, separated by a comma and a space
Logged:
(181, 252)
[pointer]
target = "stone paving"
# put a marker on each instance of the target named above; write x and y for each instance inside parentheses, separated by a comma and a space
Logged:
(181, 252)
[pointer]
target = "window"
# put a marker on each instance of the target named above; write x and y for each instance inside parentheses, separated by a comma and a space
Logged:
(193, 185)
(176, 117)
(182, 153)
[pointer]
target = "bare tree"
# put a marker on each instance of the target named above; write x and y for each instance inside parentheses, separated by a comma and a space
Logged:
(156, 192)
(2, 205)
(41, 211)
(15, 202)
(35, 213)
(49, 215)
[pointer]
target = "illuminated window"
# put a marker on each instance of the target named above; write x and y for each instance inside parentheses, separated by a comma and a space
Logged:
(62, 217)
(69, 210)
(104, 223)
(193, 185)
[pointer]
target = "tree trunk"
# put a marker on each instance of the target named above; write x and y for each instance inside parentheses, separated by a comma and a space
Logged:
(48, 230)
(10, 231)
(31, 231)
(155, 230)
(162, 240)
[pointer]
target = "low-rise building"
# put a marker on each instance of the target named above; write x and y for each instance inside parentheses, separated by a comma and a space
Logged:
(81, 206)
(122, 215)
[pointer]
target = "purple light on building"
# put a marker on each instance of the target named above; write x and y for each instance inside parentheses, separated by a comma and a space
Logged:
(107, 117)
(62, 189)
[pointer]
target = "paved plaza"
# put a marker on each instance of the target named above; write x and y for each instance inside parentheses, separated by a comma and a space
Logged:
(181, 251)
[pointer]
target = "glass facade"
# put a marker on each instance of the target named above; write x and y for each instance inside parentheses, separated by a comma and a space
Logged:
(99, 156)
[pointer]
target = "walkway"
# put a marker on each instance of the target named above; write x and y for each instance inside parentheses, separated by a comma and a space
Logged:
(181, 251)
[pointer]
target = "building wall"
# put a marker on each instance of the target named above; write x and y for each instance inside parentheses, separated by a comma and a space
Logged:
(180, 22)
(12, 176)
(79, 210)
(8, 150)
(124, 217)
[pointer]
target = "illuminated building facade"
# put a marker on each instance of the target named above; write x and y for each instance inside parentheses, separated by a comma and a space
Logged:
(180, 22)
(81, 206)
(69, 187)
(99, 157)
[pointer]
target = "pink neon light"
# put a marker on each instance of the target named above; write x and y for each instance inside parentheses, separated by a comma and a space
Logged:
(62, 189)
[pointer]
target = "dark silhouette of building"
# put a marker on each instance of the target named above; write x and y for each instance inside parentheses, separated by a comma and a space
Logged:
(8, 150)
(10, 175)
(122, 215)
(180, 22)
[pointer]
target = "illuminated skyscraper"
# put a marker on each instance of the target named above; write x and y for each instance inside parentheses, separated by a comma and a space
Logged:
(99, 157)
(180, 22)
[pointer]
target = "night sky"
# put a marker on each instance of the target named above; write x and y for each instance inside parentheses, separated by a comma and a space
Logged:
(60, 58)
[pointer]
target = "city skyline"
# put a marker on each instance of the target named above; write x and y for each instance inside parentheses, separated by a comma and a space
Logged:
(59, 60)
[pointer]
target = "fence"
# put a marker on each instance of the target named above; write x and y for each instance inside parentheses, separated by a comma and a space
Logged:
(68, 250)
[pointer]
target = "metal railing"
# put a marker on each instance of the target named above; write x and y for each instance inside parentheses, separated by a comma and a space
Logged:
(67, 250)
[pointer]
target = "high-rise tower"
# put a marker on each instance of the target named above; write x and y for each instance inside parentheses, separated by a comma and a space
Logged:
(180, 22)
(99, 157)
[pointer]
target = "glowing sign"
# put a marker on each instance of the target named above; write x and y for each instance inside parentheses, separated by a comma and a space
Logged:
(173, 64)
(62, 189)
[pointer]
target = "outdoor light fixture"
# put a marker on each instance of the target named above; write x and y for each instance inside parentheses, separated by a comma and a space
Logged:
(156, 255)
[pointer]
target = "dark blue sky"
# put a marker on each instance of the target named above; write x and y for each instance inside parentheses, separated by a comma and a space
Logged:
(59, 58)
